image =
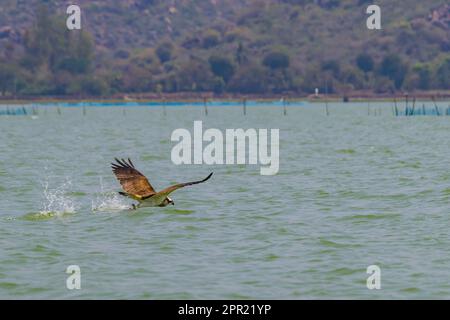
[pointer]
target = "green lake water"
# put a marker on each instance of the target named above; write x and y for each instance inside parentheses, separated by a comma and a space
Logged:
(353, 190)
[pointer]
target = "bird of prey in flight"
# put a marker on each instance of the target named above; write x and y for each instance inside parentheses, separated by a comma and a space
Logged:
(137, 187)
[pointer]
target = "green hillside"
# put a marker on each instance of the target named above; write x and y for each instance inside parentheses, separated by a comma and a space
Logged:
(222, 46)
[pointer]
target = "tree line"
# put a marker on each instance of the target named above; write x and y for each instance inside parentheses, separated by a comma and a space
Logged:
(53, 61)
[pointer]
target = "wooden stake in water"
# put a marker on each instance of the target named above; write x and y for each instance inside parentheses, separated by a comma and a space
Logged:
(413, 107)
(205, 104)
(164, 107)
(58, 110)
(395, 105)
(406, 105)
(84, 110)
(436, 107)
(368, 108)
(244, 103)
(327, 112)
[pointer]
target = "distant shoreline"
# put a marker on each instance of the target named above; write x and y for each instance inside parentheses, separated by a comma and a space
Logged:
(196, 97)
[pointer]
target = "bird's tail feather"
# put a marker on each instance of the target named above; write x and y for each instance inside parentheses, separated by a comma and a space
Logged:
(123, 194)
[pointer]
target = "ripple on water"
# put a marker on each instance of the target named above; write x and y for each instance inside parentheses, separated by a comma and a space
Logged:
(9, 285)
(346, 271)
(411, 290)
(371, 216)
(271, 257)
(150, 157)
(346, 151)
(178, 211)
(329, 243)
(45, 215)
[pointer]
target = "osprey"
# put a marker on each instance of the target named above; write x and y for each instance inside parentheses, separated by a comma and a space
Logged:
(137, 187)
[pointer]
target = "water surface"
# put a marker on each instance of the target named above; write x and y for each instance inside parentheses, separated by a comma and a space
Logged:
(353, 190)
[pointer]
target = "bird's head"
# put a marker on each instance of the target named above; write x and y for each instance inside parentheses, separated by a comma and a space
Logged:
(169, 201)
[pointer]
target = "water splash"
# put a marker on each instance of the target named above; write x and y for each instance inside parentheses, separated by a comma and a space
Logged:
(108, 201)
(55, 203)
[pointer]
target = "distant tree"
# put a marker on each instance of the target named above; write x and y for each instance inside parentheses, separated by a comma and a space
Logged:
(240, 56)
(276, 60)
(279, 80)
(49, 43)
(210, 39)
(365, 62)
(7, 78)
(218, 85)
(352, 76)
(331, 66)
(424, 76)
(194, 75)
(383, 85)
(221, 67)
(93, 86)
(394, 68)
(443, 74)
(249, 79)
(121, 54)
(164, 52)
(328, 4)
(296, 2)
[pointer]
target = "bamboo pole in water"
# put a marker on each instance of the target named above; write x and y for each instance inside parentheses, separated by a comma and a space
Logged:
(413, 107)
(244, 102)
(205, 104)
(406, 105)
(327, 112)
(284, 106)
(164, 107)
(436, 107)
(395, 106)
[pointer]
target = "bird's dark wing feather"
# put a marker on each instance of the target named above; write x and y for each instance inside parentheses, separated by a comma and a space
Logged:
(171, 189)
(134, 183)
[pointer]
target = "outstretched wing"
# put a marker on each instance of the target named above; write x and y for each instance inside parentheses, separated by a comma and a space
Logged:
(134, 183)
(164, 193)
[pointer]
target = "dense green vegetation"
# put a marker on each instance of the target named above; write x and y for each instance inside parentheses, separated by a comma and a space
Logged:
(242, 47)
